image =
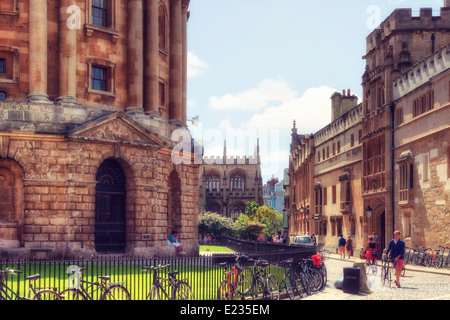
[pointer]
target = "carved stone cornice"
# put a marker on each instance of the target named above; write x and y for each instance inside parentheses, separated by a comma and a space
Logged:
(185, 4)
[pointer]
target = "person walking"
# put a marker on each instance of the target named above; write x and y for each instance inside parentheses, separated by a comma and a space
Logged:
(349, 246)
(341, 245)
(396, 251)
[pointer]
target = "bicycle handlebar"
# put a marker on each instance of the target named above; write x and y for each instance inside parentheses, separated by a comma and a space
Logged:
(10, 271)
(154, 268)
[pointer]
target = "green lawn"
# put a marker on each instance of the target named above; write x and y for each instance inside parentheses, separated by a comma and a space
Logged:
(203, 275)
(215, 249)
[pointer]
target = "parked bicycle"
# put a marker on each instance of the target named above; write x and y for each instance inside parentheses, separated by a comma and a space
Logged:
(310, 278)
(108, 291)
(420, 257)
(264, 285)
(238, 281)
(442, 260)
(291, 281)
(325, 255)
(168, 288)
(409, 254)
(6, 293)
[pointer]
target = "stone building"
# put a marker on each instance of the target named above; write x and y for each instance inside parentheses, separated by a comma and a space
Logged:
(91, 92)
(394, 169)
(400, 42)
(325, 174)
(422, 160)
(229, 182)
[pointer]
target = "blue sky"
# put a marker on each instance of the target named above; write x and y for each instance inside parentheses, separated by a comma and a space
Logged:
(256, 65)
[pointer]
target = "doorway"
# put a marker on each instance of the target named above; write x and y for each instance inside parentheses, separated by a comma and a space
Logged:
(110, 206)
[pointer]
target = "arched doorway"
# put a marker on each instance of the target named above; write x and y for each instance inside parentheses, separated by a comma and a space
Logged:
(11, 204)
(110, 206)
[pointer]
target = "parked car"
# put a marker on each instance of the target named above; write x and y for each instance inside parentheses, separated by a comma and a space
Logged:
(304, 241)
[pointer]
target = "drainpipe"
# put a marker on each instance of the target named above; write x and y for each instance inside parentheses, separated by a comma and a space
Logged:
(392, 165)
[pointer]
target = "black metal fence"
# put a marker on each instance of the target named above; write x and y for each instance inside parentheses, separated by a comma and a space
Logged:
(202, 273)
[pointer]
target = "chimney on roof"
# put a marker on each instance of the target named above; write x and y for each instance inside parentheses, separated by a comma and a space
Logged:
(446, 3)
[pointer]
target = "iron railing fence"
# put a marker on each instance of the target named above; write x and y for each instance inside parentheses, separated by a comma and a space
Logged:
(203, 273)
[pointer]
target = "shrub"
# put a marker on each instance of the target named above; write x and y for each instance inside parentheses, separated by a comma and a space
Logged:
(217, 224)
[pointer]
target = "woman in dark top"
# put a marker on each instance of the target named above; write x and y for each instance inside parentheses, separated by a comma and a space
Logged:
(372, 253)
(396, 252)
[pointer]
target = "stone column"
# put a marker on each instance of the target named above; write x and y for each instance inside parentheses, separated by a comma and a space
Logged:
(185, 17)
(38, 52)
(151, 75)
(135, 56)
(67, 55)
(176, 64)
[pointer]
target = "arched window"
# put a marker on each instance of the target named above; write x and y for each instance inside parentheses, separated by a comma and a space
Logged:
(213, 182)
(162, 30)
(236, 210)
(237, 182)
(213, 206)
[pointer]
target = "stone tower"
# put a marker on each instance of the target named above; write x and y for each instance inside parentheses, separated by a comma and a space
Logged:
(398, 43)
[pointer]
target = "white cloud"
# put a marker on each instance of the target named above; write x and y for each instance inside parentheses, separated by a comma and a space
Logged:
(311, 111)
(268, 91)
(271, 124)
(195, 66)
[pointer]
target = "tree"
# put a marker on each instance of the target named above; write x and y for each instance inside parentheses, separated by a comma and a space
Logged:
(248, 228)
(251, 209)
(217, 224)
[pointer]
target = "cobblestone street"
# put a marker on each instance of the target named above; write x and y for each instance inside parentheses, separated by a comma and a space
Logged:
(419, 283)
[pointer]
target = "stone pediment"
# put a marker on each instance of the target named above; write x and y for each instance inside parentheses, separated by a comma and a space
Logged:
(117, 128)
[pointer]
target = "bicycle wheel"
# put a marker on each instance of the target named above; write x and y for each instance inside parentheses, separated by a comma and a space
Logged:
(315, 279)
(415, 260)
(305, 283)
(427, 260)
(225, 291)
(272, 287)
(116, 292)
(46, 294)
(383, 275)
(325, 275)
(155, 293)
(72, 294)
(258, 289)
(439, 262)
(182, 291)
(386, 275)
(291, 285)
(245, 281)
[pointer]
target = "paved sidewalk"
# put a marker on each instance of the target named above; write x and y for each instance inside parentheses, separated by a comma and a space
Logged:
(432, 284)
(408, 267)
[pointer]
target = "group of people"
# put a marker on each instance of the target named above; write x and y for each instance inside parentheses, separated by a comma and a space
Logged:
(277, 238)
(345, 245)
(395, 251)
(206, 239)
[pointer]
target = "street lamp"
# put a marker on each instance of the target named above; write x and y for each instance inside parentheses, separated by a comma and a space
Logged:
(368, 211)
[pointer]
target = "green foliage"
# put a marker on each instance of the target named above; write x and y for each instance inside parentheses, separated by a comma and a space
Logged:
(248, 228)
(215, 223)
(251, 209)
